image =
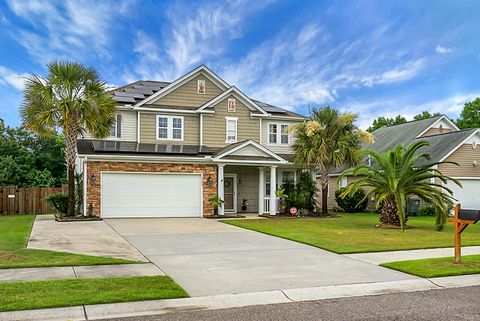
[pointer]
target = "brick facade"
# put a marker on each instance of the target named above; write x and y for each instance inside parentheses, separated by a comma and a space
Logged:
(96, 167)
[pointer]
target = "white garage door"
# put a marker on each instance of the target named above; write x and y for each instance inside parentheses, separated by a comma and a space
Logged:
(468, 195)
(151, 195)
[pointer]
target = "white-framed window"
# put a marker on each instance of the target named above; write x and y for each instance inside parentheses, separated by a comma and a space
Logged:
(169, 127)
(115, 129)
(343, 182)
(278, 134)
(288, 176)
(272, 133)
(231, 129)
(201, 87)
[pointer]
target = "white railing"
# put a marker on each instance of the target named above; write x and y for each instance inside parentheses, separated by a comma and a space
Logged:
(266, 204)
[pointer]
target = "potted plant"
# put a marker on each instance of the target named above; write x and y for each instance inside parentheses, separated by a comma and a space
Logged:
(216, 202)
(244, 204)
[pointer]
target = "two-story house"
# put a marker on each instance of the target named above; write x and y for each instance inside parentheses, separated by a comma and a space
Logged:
(176, 145)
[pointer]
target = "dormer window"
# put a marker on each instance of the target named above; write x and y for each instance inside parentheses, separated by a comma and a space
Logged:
(201, 87)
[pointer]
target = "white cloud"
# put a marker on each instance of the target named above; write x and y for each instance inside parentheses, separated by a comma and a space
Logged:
(66, 29)
(443, 50)
(9, 77)
(406, 72)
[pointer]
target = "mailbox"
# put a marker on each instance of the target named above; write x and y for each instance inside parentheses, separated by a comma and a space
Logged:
(469, 215)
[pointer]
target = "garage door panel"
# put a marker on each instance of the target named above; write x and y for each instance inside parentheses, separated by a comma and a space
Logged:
(151, 195)
(468, 195)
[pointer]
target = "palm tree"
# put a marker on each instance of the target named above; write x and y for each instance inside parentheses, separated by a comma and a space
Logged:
(328, 141)
(71, 98)
(398, 174)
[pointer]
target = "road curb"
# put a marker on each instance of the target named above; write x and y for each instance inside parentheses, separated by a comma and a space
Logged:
(117, 310)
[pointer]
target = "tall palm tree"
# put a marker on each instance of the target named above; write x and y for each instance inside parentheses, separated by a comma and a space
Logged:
(328, 141)
(71, 98)
(398, 174)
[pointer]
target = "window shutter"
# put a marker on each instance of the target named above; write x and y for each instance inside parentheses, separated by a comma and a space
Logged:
(119, 125)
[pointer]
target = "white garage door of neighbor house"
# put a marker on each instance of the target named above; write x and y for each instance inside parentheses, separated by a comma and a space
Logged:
(468, 195)
(151, 195)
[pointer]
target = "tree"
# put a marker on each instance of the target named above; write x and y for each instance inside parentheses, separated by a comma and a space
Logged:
(398, 174)
(380, 122)
(328, 141)
(72, 98)
(424, 115)
(470, 115)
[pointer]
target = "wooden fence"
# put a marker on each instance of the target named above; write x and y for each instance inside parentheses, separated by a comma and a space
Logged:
(27, 200)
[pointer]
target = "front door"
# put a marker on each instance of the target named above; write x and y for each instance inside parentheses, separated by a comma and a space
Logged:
(229, 193)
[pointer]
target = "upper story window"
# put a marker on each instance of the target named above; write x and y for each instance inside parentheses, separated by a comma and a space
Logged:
(278, 134)
(201, 87)
(115, 130)
(169, 127)
(343, 182)
(231, 129)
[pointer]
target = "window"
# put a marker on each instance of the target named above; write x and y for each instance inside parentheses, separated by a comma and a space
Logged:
(272, 133)
(284, 134)
(231, 129)
(278, 134)
(169, 127)
(288, 176)
(343, 182)
(115, 129)
(201, 87)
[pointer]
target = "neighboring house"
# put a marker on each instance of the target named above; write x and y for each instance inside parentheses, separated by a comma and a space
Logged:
(447, 143)
(175, 145)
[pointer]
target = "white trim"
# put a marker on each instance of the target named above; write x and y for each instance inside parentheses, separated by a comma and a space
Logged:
(146, 159)
(169, 127)
(281, 117)
(260, 136)
(255, 144)
(234, 176)
(467, 177)
(436, 122)
(155, 173)
(170, 110)
(184, 79)
(201, 130)
(138, 126)
(85, 185)
(232, 91)
(227, 119)
(248, 162)
(459, 145)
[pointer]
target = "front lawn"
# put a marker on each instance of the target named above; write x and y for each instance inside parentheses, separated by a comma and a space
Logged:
(444, 266)
(356, 233)
(14, 235)
(63, 293)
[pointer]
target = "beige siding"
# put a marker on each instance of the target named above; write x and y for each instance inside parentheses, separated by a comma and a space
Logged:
(278, 148)
(464, 156)
(187, 96)
(332, 187)
(247, 186)
(128, 127)
(214, 126)
(148, 129)
(436, 131)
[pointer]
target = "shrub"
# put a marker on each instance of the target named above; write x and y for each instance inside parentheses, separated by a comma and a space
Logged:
(59, 201)
(354, 203)
(427, 211)
(301, 194)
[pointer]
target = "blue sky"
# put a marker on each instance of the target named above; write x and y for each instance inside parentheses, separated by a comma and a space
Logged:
(368, 57)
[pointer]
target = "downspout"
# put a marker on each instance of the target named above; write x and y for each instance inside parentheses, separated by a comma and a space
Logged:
(201, 129)
(85, 185)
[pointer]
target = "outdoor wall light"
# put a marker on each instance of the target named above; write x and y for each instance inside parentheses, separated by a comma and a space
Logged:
(93, 180)
(209, 181)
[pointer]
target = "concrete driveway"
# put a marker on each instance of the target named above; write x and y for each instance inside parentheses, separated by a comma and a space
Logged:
(207, 257)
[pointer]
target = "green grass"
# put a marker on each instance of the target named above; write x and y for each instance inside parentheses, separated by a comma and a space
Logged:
(444, 266)
(14, 235)
(356, 233)
(63, 293)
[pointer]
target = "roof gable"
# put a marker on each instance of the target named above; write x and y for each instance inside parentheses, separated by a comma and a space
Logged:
(250, 104)
(203, 70)
(248, 149)
(439, 122)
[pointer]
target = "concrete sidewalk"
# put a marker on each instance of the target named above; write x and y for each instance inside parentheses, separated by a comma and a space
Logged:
(79, 272)
(393, 256)
(114, 310)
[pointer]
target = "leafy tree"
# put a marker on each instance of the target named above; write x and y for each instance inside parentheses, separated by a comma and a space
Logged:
(397, 175)
(424, 115)
(351, 203)
(380, 122)
(328, 141)
(470, 115)
(72, 98)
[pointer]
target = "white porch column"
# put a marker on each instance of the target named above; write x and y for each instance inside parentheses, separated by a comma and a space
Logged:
(220, 189)
(273, 189)
(261, 189)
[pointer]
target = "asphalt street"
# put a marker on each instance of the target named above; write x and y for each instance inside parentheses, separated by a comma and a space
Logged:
(446, 304)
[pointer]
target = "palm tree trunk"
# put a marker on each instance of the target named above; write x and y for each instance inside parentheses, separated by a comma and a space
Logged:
(389, 215)
(71, 154)
(324, 187)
